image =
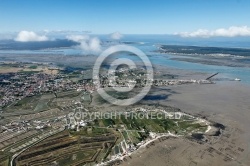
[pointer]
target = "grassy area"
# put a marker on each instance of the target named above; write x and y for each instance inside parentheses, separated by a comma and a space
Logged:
(135, 129)
(135, 137)
(102, 136)
(27, 100)
(151, 124)
(89, 131)
(189, 126)
(4, 158)
(108, 122)
(27, 104)
(33, 67)
(42, 105)
(86, 98)
(28, 72)
(125, 135)
(76, 157)
(70, 94)
(4, 162)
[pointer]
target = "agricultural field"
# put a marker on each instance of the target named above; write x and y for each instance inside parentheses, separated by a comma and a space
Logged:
(26, 68)
(70, 148)
(40, 103)
(4, 161)
(27, 104)
(100, 139)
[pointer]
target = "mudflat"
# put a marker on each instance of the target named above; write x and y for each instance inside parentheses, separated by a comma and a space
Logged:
(226, 103)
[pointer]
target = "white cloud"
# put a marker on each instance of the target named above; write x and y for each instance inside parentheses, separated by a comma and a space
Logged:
(78, 38)
(95, 44)
(116, 35)
(27, 36)
(87, 43)
(233, 31)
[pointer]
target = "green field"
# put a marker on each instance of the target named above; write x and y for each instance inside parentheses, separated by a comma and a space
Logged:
(137, 129)
(71, 147)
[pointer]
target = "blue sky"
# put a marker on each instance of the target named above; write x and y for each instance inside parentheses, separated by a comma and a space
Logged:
(125, 16)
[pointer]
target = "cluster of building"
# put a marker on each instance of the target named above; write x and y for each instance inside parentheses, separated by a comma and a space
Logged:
(21, 129)
(138, 78)
(14, 87)
(160, 82)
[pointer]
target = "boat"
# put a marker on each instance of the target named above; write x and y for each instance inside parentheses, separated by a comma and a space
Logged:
(237, 79)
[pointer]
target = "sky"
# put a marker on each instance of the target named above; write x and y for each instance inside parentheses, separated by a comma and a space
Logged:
(183, 17)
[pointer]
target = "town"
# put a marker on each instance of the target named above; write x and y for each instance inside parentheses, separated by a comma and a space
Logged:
(16, 86)
(38, 101)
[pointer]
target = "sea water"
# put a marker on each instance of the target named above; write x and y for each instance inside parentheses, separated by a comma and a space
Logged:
(149, 44)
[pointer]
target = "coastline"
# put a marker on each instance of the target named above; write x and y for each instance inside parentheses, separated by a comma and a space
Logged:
(226, 103)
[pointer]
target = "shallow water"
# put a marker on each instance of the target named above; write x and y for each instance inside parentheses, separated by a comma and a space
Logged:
(149, 44)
